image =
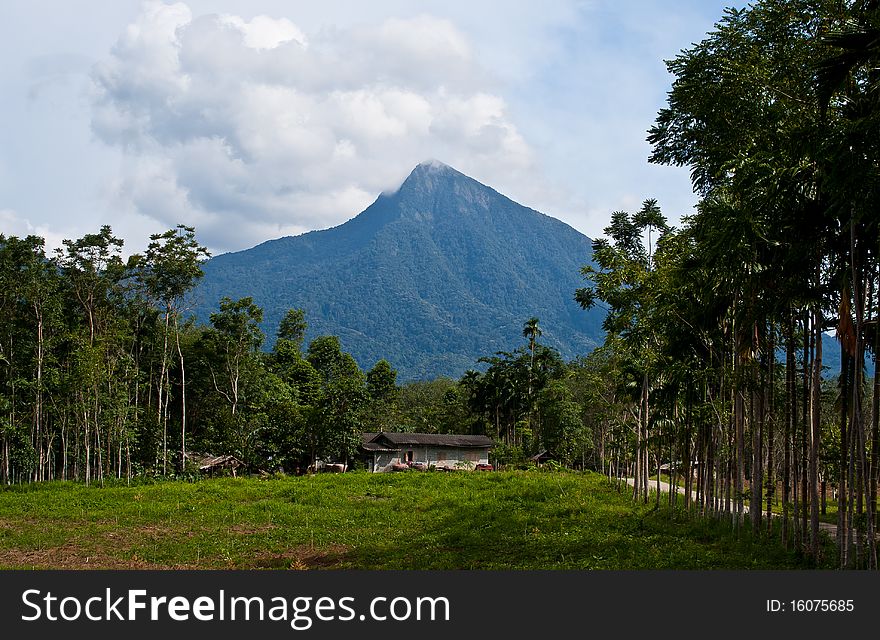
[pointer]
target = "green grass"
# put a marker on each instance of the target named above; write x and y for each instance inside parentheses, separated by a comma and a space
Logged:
(501, 520)
(830, 515)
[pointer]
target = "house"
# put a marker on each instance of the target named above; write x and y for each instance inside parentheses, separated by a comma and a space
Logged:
(382, 451)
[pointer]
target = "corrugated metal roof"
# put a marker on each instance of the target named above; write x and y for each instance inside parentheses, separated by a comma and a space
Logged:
(367, 443)
(373, 446)
(433, 439)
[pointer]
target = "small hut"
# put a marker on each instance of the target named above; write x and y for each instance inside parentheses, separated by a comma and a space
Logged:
(211, 464)
(544, 457)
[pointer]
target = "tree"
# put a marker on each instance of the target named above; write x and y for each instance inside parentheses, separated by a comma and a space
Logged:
(434, 406)
(532, 331)
(330, 361)
(293, 327)
(92, 265)
(32, 299)
(337, 414)
(775, 113)
(383, 414)
(92, 270)
(626, 283)
(848, 86)
(169, 270)
(235, 338)
(562, 430)
(382, 382)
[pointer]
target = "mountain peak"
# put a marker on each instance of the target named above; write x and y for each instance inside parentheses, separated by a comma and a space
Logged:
(431, 175)
(433, 164)
(433, 169)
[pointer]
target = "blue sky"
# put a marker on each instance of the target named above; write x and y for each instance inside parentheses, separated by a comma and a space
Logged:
(253, 120)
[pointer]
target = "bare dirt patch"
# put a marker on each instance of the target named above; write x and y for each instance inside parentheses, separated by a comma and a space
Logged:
(247, 529)
(71, 556)
(119, 547)
(301, 558)
(20, 523)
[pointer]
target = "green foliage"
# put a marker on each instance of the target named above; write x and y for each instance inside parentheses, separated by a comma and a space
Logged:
(122, 362)
(293, 327)
(508, 455)
(336, 418)
(505, 398)
(171, 265)
(433, 406)
(237, 325)
(562, 427)
(326, 356)
(382, 382)
(775, 113)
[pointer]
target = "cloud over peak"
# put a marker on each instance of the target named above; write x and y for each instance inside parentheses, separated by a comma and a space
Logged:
(251, 129)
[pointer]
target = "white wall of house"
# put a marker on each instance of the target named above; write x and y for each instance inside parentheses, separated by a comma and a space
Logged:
(447, 457)
(383, 460)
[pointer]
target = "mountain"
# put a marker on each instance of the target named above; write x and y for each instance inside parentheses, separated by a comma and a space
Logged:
(429, 277)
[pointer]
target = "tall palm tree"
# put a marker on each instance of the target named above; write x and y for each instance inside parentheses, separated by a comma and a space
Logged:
(849, 93)
(532, 331)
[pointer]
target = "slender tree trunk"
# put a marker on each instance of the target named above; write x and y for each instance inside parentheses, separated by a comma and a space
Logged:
(701, 462)
(64, 445)
(182, 400)
(98, 446)
(645, 419)
(5, 466)
(658, 457)
(789, 431)
(842, 504)
(162, 394)
(771, 423)
(805, 422)
(758, 461)
(815, 435)
(38, 398)
(88, 446)
(639, 477)
(686, 449)
(871, 312)
(739, 430)
(859, 422)
(850, 484)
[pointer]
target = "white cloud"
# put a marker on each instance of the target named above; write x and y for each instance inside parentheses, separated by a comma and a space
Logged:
(250, 129)
(264, 32)
(13, 224)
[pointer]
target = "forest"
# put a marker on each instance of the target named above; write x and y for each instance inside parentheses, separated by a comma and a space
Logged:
(719, 330)
(716, 331)
(105, 375)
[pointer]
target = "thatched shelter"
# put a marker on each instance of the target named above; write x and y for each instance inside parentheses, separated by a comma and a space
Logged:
(211, 464)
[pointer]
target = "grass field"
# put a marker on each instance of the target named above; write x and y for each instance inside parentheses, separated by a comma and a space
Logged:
(498, 520)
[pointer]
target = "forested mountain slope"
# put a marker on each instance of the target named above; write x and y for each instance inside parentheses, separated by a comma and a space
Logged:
(430, 277)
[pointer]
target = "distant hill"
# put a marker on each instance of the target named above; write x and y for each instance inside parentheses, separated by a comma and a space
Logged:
(430, 277)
